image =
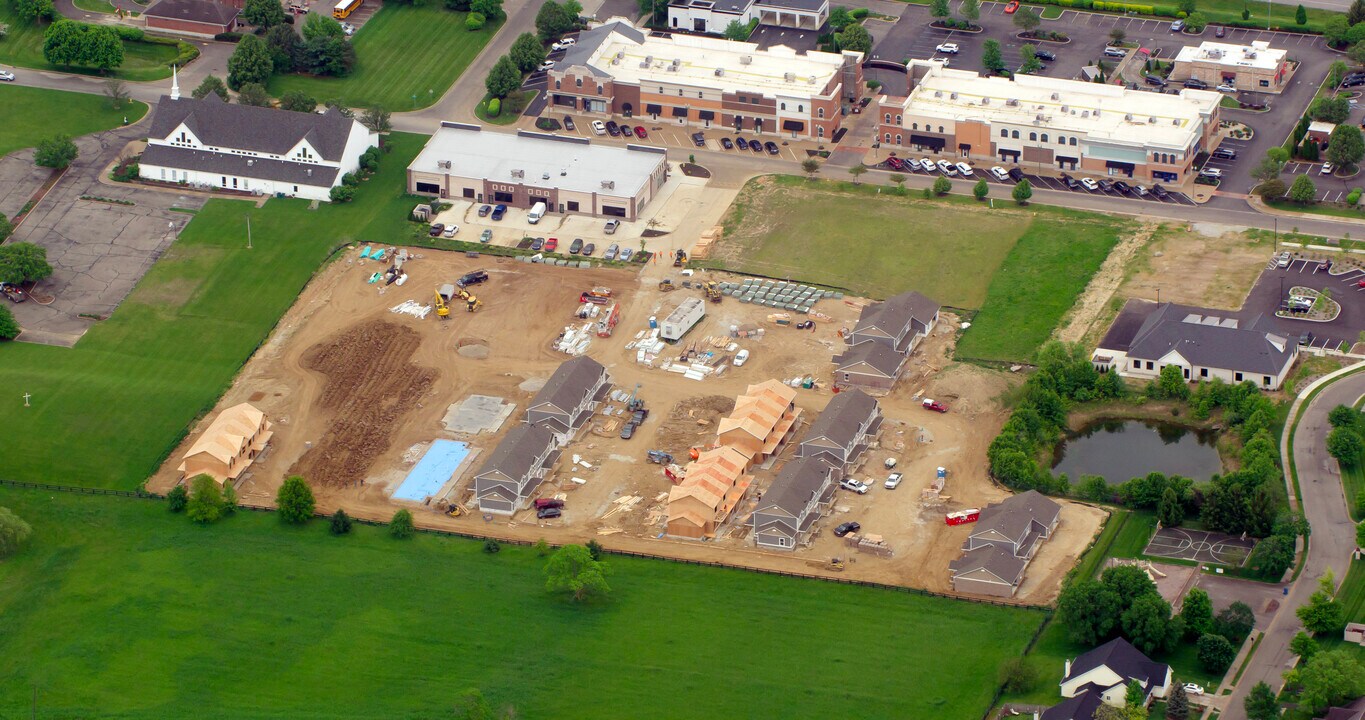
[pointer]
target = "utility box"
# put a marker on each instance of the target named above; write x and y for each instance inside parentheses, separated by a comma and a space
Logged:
(682, 319)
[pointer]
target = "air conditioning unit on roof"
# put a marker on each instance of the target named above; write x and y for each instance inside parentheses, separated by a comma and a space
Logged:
(746, 59)
(720, 72)
(953, 96)
(1055, 96)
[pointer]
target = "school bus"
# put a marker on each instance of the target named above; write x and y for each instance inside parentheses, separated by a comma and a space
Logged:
(344, 8)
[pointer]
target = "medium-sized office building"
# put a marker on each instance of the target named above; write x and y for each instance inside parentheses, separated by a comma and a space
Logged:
(1245, 67)
(713, 16)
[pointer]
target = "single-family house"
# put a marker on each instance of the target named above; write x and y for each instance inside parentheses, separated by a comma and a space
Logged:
(1002, 543)
(569, 398)
(871, 365)
(1353, 711)
(1108, 669)
(229, 444)
(193, 18)
(886, 333)
(715, 483)
(514, 469)
(844, 431)
(800, 495)
(1080, 707)
(764, 418)
(1147, 337)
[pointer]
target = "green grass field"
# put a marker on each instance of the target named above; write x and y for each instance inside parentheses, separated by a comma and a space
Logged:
(105, 413)
(407, 56)
(23, 47)
(32, 114)
(119, 609)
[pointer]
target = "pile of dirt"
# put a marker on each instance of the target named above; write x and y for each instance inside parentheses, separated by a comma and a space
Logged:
(472, 348)
(691, 422)
(370, 384)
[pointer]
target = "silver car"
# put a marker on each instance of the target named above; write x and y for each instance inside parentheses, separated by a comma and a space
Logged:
(625, 254)
(610, 254)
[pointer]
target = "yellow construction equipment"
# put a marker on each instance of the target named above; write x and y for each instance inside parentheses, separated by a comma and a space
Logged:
(712, 289)
(442, 310)
(471, 303)
(666, 285)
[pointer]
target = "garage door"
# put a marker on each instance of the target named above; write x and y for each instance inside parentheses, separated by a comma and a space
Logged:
(613, 211)
(432, 188)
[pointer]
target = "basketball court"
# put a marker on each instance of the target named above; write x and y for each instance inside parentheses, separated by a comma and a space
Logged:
(1200, 546)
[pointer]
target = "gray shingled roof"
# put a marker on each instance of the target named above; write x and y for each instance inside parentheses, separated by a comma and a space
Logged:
(842, 417)
(516, 454)
(882, 358)
(1125, 660)
(1080, 707)
(590, 40)
(239, 165)
(1212, 341)
(794, 486)
(997, 560)
(571, 382)
(892, 314)
(1014, 516)
(257, 129)
(200, 11)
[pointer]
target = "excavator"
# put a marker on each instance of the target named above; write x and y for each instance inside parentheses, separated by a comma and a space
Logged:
(442, 310)
(471, 303)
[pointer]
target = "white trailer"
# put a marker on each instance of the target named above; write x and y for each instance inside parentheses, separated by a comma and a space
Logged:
(682, 319)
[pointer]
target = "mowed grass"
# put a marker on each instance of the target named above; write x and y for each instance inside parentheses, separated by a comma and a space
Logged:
(119, 609)
(875, 245)
(401, 52)
(23, 47)
(32, 114)
(106, 412)
(1038, 282)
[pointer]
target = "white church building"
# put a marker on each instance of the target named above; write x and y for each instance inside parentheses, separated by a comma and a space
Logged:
(212, 144)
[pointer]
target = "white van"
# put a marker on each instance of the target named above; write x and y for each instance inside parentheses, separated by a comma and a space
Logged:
(537, 212)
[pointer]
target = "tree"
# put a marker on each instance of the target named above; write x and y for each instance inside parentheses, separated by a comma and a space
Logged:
(23, 262)
(264, 14)
(503, 79)
(1018, 676)
(1272, 190)
(739, 31)
(295, 500)
(1333, 109)
(1088, 610)
(117, 92)
(253, 94)
(177, 499)
(251, 62)
(1134, 695)
(1148, 625)
(1330, 678)
(211, 84)
(376, 119)
(1269, 168)
(810, 166)
(939, 9)
(1028, 60)
(1022, 192)
(554, 20)
(1356, 13)
(490, 9)
(400, 526)
(942, 186)
(1178, 706)
(1197, 612)
(1345, 416)
(1345, 147)
(1338, 69)
(1118, 35)
(1323, 614)
(31, 11)
(341, 522)
(856, 171)
(527, 52)
(1171, 511)
(1334, 31)
(328, 56)
(71, 43)
(1171, 383)
(206, 500)
(1196, 22)
(9, 327)
(1303, 191)
(14, 532)
(1129, 583)
(1272, 557)
(1301, 15)
(1215, 653)
(594, 549)
(1186, 6)
(572, 568)
(970, 11)
(1304, 646)
(1235, 622)
(286, 50)
(991, 57)
(1260, 703)
(1027, 20)
(1345, 445)
(56, 152)
(298, 101)
(855, 37)
(318, 26)
(981, 189)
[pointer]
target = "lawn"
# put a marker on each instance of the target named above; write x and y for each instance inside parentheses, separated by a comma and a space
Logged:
(32, 114)
(1353, 481)
(1133, 537)
(23, 47)
(248, 619)
(407, 56)
(106, 412)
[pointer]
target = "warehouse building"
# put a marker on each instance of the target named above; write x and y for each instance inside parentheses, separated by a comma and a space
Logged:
(1245, 67)
(618, 69)
(568, 174)
(1046, 123)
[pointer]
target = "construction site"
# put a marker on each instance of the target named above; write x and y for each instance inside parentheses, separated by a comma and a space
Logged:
(432, 380)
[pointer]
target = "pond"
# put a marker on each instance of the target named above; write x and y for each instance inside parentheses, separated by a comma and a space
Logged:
(1122, 449)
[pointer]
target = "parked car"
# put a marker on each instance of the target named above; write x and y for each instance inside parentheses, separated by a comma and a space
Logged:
(893, 481)
(1283, 260)
(1211, 173)
(611, 226)
(846, 528)
(756, 146)
(599, 128)
(6, 76)
(613, 129)
(894, 163)
(548, 513)
(610, 254)
(1177, 26)
(450, 230)
(1353, 80)
(347, 29)
(950, 48)
(741, 144)
(1016, 174)
(771, 147)
(552, 244)
(699, 139)
(1090, 184)
(1196, 84)
(484, 210)
(727, 143)
(1011, 7)
(1045, 55)
(542, 503)
(1000, 173)
(499, 211)
(928, 165)
(486, 236)
(1191, 688)
(964, 169)
(947, 168)
(547, 65)
(1140, 190)
(538, 244)
(436, 229)
(1160, 192)
(741, 357)
(1326, 169)
(1306, 338)
(564, 44)
(934, 405)
(1116, 52)
(1220, 31)
(1225, 88)
(589, 249)
(857, 486)
(576, 246)
(1156, 80)
(625, 254)
(1224, 154)
(1070, 182)
(1122, 187)
(640, 132)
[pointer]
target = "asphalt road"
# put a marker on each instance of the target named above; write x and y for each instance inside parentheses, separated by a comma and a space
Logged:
(1333, 538)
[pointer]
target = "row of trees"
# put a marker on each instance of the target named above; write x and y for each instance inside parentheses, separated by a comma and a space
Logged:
(1346, 441)
(68, 43)
(323, 50)
(528, 50)
(22, 262)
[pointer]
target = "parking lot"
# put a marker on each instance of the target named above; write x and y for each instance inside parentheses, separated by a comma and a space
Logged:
(1273, 286)
(982, 172)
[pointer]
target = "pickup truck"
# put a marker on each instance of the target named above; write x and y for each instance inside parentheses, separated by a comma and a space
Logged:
(934, 405)
(856, 486)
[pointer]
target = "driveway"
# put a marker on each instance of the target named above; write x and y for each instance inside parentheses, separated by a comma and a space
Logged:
(99, 250)
(1273, 287)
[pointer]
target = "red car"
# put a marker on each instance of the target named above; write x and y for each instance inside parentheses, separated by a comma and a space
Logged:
(551, 244)
(1361, 284)
(934, 405)
(542, 503)
(1011, 6)
(894, 163)
(640, 132)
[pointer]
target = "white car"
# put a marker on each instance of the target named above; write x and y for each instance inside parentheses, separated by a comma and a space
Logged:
(928, 165)
(1115, 52)
(624, 254)
(348, 28)
(565, 44)
(857, 486)
(1326, 169)
(450, 230)
(893, 480)
(599, 127)
(6, 75)
(1227, 89)
(1209, 172)
(1000, 173)
(944, 60)
(949, 48)
(1090, 184)
(547, 65)
(964, 168)
(741, 357)
(947, 168)
(1192, 689)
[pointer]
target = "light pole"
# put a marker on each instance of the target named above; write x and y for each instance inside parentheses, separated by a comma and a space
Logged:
(248, 231)
(1267, 14)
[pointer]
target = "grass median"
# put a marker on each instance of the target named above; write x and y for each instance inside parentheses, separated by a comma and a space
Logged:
(23, 47)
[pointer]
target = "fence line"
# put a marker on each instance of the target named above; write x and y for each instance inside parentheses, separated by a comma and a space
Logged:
(76, 489)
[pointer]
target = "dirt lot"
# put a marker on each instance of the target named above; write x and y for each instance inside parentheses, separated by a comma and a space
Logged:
(356, 393)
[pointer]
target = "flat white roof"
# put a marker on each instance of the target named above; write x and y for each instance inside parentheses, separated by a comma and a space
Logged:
(1101, 111)
(1257, 55)
(694, 60)
(540, 159)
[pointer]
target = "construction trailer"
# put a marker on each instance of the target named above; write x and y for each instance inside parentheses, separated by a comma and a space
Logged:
(682, 319)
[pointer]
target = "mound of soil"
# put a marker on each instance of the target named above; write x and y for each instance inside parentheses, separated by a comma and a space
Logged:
(472, 348)
(692, 422)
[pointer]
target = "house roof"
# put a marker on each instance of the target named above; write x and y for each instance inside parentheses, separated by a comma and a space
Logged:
(1123, 659)
(759, 410)
(879, 357)
(570, 384)
(842, 418)
(257, 129)
(1353, 711)
(798, 482)
(1014, 516)
(283, 171)
(589, 41)
(225, 437)
(1080, 707)
(711, 476)
(894, 313)
(516, 455)
(993, 559)
(199, 11)
(1203, 340)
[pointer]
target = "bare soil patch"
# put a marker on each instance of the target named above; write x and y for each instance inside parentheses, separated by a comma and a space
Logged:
(1092, 302)
(1192, 267)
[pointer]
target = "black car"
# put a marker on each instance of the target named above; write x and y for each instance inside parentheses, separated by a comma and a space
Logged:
(756, 146)
(575, 246)
(1160, 192)
(1154, 80)
(472, 278)
(699, 139)
(1122, 187)
(1070, 182)
(846, 528)
(613, 129)
(727, 143)
(1016, 174)
(1224, 154)
(1353, 80)
(1196, 84)
(549, 512)
(436, 229)
(1106, 185)
(1045, 55)
(537, 244)
(499, 211)
(741, 144)
(771, 147)
(568, 123)
(484, 210)
(589, 249)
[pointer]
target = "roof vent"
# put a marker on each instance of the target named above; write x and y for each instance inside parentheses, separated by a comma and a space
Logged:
(1012, 102)
(519, 173)
(563, 172)
(810, 80)
(250, 162)
(545, 176)
(953, 96)
(1128, 117)
(789, 77)
(649, 59)
(672, 68)
(443, 164)
(746, 59)
(1055, 96)
(609, 184)
(1175, 122)
(310, 172)
(677, 62)
(720, 72)
(938, 93)
(985, 101)
(1065, 109)
(1086, 113)
(1038, 117)
(620, 54)
(1151, 121)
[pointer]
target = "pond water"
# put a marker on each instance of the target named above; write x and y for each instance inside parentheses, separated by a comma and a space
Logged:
(1122, 449)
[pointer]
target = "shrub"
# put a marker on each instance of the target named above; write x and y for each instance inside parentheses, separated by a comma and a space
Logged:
(341, 522)
(942, 186)
(231, 37)
(9, 327)
(350, 180)
(342, 194)
(400, 527)
(14, 532)
(128, 32)
(1353, 197)
(858, 13)
(491, 546)
(474, 21)
(177, 499)
(494, 107)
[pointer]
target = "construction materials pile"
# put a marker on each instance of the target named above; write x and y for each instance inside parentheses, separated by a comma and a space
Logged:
(778, 294)
(702, 248)
(575, 339)
(413, 308)
(696, 360)
(869, 543)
